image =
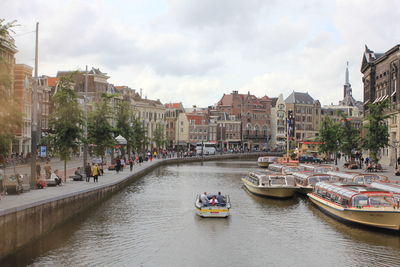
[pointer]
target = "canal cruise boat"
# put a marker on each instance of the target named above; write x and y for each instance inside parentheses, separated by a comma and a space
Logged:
(358, 178)
(317, 168)
(270, 185)
(305, 181)
(285, 168)
(387, 186)
(219, 210)
(357, 203)
(264, 162)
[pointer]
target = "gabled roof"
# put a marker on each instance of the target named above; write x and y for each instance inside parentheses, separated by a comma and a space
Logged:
(299, 98)
(52, 81)
(273, 103)
(198, 119)
(173, 105)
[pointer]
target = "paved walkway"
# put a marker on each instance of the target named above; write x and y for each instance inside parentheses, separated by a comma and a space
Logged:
(10, 203)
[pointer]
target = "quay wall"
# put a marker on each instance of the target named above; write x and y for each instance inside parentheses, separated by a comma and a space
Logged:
(22, 225)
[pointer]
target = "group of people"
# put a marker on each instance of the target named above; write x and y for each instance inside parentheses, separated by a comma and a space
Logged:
(49, 175)
(212, 200)
(92, 171)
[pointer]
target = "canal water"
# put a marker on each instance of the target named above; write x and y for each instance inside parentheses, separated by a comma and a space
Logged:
(153, 223)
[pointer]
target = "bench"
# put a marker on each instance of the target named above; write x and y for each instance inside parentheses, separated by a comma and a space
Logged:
(76, 177)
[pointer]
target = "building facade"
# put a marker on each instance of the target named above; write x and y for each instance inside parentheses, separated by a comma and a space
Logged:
(307, 114)
(171, 119)
(23, 96)
(278, 123)
(255, 116)
(381, 76)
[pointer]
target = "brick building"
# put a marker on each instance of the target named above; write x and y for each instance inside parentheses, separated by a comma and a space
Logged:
(254, 114)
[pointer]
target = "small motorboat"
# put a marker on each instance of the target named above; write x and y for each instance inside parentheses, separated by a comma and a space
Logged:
(218, 210)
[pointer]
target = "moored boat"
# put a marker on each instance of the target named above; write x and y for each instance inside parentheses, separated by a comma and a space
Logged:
(305, 181)
(270, 185)
(219, 210)
(285, 168)
(358, 178)
(318, 168)
(264, 162)
(357, 203)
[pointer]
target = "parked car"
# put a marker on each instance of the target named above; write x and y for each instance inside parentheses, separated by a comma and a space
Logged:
(309, 159)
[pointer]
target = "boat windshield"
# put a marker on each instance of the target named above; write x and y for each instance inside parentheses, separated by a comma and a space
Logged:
(278, 181)
(381, 201)
(360, 201)
(315, 179)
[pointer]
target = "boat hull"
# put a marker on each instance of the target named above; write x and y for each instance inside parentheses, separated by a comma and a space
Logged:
(273, 192)
(213, 212)
(304, 190)
(263, 164)
(381, 218)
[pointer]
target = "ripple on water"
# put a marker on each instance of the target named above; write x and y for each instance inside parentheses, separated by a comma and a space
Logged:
(153, 223)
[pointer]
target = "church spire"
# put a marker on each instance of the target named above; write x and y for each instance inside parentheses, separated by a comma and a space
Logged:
(347, 73)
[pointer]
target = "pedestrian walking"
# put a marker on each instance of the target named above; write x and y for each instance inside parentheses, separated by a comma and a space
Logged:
(47, 170)
(118, 165)
(88, 172)
(122, 165)
(38, 170)
(130, 164)
(95, 173)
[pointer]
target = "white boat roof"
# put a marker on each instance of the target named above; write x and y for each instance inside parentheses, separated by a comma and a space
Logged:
(395, 188)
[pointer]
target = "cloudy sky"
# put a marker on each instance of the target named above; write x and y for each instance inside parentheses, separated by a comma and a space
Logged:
(195, 51)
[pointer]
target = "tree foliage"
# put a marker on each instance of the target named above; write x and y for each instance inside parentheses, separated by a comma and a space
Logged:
(65, 121)
(159, 136)
(100, 130)
(350, 136)
(10, 115)
(139, 139)
(377, 132)
(329, 136)
(124, 118)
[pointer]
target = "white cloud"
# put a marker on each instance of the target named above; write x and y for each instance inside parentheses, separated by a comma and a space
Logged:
(195, 51)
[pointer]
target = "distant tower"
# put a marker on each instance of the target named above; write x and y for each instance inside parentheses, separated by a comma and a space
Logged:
(347, 86)
(348, 99)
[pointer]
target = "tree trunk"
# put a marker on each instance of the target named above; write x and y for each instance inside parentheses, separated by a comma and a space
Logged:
(336, 158)
(65, 170)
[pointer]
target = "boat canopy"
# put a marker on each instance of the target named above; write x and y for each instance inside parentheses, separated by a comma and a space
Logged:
(267, 159)
(395, 188)
(359, 178)
(338, 189)
(317, 168)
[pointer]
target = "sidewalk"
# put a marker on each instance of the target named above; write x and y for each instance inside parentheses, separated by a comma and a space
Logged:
(10, 203)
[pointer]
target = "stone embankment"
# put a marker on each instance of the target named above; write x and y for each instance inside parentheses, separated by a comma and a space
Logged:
(26, 217)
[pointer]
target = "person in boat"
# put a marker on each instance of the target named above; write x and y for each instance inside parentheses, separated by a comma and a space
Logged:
(220, 199)
(204, 199)
(213, 201)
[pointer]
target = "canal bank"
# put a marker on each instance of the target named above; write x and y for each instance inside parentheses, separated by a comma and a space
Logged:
(26, 217)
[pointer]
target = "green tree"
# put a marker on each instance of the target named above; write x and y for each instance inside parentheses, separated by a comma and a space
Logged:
(159, 136)
(10, 115)
(139, 139)
(124, 123)
(350, 136)
(329, 136)
(100, 130)
(377, 131)
(65, 122)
